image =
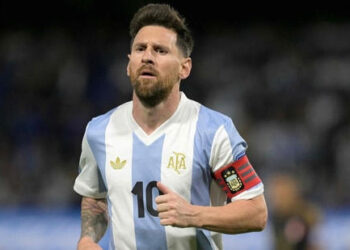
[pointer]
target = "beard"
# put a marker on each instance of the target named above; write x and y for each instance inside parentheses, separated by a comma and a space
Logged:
(151, 92)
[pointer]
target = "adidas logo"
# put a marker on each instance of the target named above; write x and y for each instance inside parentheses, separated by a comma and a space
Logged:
(117, 164)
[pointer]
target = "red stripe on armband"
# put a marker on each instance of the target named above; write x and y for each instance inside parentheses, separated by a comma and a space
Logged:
(237, 177)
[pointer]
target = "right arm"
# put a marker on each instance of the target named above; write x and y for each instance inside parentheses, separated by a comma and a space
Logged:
(94, 221)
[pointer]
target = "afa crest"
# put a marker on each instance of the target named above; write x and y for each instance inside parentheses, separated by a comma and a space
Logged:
(177, 162)
(232, 179)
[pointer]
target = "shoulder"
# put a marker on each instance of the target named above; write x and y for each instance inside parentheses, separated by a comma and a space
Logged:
(212, 119)
(214, 124)
(100, 122)
(209, 122)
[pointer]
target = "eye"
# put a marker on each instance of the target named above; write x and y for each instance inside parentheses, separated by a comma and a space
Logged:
(161, 51)
(139, 48)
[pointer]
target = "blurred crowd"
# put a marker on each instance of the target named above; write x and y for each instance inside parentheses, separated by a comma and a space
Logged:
(287, 89)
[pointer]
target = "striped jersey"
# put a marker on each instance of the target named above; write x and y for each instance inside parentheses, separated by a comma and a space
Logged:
(122, 163)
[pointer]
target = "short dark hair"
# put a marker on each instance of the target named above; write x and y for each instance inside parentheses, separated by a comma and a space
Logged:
(166, 16)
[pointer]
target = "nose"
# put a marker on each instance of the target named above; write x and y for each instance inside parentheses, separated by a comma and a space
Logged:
(148, 56)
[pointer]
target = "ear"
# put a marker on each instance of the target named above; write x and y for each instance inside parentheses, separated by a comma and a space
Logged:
(186, 67)
(128, 67)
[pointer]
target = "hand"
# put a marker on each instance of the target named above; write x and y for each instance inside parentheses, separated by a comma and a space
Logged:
(86, 243)
(173, 210)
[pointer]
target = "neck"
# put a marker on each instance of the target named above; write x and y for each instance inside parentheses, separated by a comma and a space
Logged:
(150, 118)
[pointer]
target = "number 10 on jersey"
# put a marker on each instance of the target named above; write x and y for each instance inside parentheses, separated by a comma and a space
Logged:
(138, 191)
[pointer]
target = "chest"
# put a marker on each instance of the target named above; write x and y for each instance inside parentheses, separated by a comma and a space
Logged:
(169, 158)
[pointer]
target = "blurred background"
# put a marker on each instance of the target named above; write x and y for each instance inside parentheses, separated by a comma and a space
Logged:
(281, 73)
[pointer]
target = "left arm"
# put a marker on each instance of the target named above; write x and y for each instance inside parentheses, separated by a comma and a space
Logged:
(236, 217)
(240, 216)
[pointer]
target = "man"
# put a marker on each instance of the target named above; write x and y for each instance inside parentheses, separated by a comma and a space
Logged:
(295, 218)
(163, 165)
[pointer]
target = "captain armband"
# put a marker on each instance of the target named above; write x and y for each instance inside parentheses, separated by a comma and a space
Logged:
(237, 177)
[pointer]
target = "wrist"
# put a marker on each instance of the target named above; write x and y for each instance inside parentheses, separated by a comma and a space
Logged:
(86, 239)
(87, 242)
(196, 217)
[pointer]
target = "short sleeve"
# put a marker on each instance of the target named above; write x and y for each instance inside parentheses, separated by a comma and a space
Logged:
(89, 182)
(227, 146)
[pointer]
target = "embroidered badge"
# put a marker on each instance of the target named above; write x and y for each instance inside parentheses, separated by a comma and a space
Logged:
(117, 164)
(177, 162)
(232, 180)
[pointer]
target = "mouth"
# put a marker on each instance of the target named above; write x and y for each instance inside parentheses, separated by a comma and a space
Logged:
(147, 73)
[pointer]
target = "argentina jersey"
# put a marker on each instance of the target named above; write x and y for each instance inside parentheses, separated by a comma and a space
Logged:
(122, 163)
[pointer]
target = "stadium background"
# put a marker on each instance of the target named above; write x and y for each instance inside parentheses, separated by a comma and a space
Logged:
(281, 73)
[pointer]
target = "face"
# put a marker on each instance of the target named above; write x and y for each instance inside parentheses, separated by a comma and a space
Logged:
(156, 64)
